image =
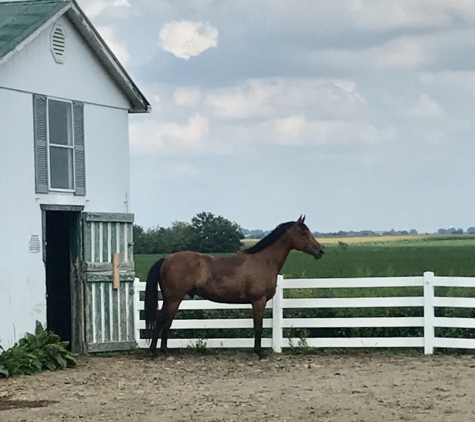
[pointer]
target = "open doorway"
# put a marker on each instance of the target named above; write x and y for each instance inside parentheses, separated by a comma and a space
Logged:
(61, 256)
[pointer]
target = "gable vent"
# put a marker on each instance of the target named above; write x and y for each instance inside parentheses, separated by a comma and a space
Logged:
(58, 43)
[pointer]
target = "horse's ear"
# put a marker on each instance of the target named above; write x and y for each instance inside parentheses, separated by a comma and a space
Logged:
(301, 219)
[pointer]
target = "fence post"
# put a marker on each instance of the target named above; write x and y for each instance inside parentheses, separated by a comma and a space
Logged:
(277, 316)
(429, 314)
(137, 310)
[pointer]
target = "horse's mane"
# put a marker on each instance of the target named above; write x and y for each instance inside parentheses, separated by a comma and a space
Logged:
(271, 238)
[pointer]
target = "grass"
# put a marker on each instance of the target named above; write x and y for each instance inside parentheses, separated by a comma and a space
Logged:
(373, 256)
(377, 256)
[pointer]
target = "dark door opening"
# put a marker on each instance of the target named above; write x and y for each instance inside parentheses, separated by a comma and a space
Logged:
(61, 231)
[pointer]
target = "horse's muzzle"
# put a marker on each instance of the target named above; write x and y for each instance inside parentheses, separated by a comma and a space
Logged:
(317, 253)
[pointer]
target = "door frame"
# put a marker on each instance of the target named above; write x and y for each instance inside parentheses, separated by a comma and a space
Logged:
(78, 320)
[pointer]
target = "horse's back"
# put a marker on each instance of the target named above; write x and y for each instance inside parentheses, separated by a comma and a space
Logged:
(232, 279)
(189, 272)
(185, 268)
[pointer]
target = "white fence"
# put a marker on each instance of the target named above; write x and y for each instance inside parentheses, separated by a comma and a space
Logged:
(278, 323)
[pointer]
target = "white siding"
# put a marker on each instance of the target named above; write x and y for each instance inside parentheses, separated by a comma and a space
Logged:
(22, 274)
(22, 285)
(107, 159)
(81, 77)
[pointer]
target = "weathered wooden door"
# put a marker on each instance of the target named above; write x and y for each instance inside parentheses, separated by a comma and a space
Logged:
(109, 309)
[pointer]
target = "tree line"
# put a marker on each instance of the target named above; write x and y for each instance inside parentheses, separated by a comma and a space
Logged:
(453, 230)
(209, 233)
(206, 233)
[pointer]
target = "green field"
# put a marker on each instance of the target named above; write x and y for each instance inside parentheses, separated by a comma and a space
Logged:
(444, 255)
(375, 257)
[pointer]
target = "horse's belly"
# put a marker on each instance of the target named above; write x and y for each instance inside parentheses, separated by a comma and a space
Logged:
(233, 290)
(223, 296)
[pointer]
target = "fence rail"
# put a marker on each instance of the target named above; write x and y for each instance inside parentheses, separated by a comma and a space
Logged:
(428, 322)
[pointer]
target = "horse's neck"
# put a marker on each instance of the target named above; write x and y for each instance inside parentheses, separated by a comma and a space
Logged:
(275, 255)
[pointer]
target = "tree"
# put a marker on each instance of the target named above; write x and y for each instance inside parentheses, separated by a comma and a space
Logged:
(210, 233)
(140, 241)
(180, 237)
(471, 230)
(151, 241)
(155, 241)
(161, 240)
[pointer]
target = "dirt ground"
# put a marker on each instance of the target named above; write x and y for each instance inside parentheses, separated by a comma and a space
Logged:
(237, 387)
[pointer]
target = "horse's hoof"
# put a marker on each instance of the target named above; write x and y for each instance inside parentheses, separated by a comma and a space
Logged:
(262, 354)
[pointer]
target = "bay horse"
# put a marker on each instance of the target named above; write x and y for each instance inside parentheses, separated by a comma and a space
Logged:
(250, 276)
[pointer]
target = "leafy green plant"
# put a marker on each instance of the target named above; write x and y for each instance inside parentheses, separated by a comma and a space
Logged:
(302, 346)
(200, 346)
(36, 352)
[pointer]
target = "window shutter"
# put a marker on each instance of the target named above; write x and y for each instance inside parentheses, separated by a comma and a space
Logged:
(41, 144)
(80, 170)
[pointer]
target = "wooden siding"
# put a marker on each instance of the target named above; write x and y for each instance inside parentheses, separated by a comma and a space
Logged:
(110, 315)
(110, 319)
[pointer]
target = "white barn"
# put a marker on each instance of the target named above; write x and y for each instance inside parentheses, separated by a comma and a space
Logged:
(64, 178)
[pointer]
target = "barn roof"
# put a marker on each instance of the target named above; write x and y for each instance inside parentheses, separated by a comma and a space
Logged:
(22, 21)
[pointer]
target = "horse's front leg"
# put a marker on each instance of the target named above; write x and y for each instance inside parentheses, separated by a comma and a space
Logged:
(258, 309)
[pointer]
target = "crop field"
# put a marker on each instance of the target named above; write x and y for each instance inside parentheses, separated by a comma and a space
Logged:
(357, 239)
(369, 257)
(373, 256)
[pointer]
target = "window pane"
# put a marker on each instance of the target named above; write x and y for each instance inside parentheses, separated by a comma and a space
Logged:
(59, 122)
(61, 165)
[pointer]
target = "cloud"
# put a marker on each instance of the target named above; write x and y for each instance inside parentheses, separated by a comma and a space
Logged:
(424, 108)
(400, 53)
(187, 96)
(276, 111)
(186, 39)
(94, 8)
(117, 48)
(244, 101)
(290, 127)
(461, 83)
(297, 130)
(388, 15)
(150, 136)
(276, 96)
(404, 52)
(372, 99)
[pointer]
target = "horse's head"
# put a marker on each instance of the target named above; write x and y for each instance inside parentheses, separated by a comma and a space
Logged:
(303, 240)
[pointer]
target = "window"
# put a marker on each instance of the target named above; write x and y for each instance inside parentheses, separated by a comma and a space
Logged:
(59, 145)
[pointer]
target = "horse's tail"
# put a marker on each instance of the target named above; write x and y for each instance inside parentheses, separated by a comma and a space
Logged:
(151, 295)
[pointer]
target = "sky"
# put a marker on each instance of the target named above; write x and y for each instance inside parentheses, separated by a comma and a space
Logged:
(356, 113)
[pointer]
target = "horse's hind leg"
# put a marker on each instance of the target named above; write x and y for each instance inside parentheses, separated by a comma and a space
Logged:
(170, 310)
(156, 332)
